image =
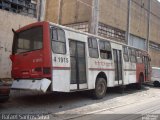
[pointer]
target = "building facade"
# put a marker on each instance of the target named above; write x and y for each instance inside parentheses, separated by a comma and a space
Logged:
(139, 20)
(13, 15)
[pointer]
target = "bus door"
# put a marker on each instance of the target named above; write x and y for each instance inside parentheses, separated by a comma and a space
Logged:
(118, 66)
(78, 65)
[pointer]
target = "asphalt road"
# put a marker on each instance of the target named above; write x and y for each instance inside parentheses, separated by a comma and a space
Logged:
(143, 110)
(132, 104)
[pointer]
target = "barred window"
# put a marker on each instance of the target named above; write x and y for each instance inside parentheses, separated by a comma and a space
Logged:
(23, 7)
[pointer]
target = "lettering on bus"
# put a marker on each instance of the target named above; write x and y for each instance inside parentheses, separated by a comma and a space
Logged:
(61, 59)
(101, 63)
(37, 60)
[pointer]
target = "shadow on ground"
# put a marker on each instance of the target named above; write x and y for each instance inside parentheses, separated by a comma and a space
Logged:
(28, 101)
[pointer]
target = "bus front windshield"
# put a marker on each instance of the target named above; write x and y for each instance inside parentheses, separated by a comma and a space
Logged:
(28, 40)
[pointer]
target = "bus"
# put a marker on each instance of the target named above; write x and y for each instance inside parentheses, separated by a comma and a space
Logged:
(50, 57)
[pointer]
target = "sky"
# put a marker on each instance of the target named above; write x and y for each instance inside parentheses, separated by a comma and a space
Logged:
(158, 0)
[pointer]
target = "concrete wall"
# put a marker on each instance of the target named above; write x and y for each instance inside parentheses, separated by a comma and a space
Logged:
(72, 11)
(139, 15)
(113, 13)
(155, 22)
(8, 21)
(155, 32)
(155, 55)
(52, 10)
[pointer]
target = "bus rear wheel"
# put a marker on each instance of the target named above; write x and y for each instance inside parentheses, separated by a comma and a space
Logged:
(100, 88)
(156, 84)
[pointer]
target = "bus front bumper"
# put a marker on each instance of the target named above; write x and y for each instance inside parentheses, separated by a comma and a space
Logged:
(28, 84)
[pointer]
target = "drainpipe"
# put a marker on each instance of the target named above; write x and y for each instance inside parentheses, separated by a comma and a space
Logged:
(128, 22)
(148, 25)
(94, 17)
(42, 8)
(60, 11)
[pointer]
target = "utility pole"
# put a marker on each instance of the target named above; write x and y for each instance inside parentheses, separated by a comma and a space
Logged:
(128, 22)
(60, 12)
(94, 17)
(41, 10)
(148, 25)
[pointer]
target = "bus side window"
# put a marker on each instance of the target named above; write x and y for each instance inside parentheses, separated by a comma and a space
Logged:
(125, 54)
(93, 47)
(105, 49)
(139, 56)
(132, 55)
(58, 40)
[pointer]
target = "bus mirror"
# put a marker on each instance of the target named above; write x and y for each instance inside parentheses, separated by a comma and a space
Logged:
(13, 31)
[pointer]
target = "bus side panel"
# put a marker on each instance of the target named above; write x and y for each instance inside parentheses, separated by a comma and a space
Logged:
(95, 66)
(140, 69)
(126, 73)
(92, 75)
(132, 73)
(109, 69)
(110, 78)
(61, 73)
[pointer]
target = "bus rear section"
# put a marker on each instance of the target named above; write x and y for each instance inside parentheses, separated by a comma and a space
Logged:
(31, 66)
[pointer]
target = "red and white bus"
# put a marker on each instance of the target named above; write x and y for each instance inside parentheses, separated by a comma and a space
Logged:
(47, 56)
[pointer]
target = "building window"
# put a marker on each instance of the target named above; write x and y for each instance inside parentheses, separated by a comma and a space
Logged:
(154, 45)
(105, 49)
(111, 32)
(24, 7)
(93, 47)
(83, 26)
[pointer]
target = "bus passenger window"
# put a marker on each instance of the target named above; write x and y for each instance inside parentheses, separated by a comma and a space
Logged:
(58, 41)
(139, 56)
(125, 54)
(132, 55)
(93, 47)
(105, 49)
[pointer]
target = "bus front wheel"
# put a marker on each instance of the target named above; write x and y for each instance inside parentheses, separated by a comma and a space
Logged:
(100, 88)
